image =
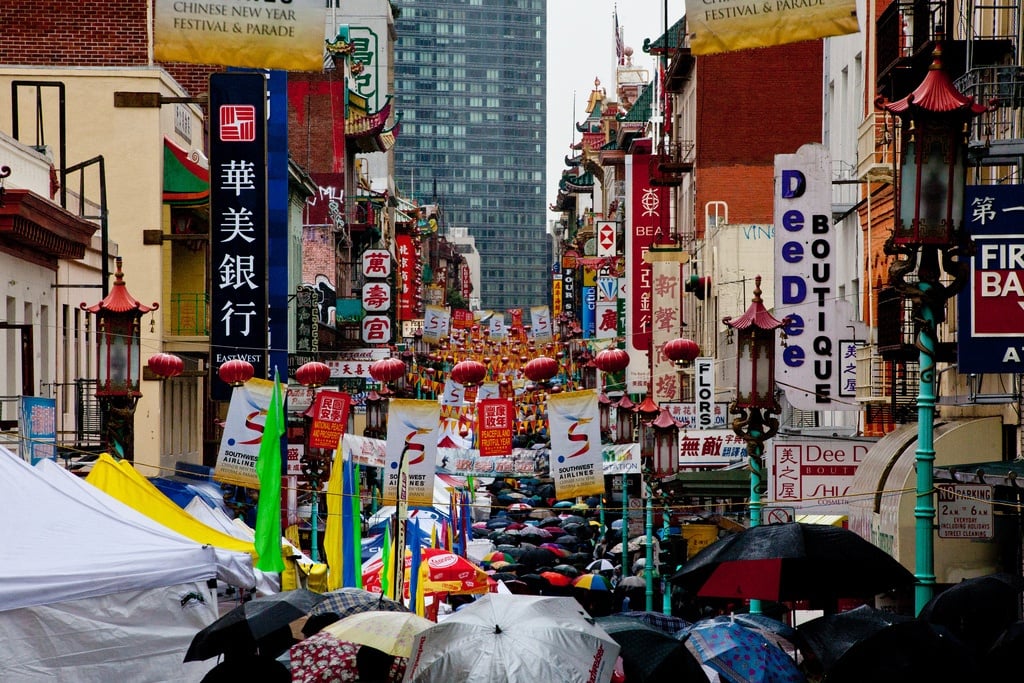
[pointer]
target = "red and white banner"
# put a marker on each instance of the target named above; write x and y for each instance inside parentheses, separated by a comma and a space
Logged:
(329, 418)
(408, 259)
(412, 439)
(496, 419)
(646, 213)
(576, 460)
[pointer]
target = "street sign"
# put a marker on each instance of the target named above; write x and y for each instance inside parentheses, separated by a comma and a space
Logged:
(991, 306)
(965, 511)
(605, 239)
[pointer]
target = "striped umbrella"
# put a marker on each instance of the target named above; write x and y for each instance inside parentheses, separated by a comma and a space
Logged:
(592, 582)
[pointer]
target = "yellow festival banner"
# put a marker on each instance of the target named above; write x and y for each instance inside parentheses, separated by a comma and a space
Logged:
(726, 25)
(411, 445)
(288, 35)
(576, 460)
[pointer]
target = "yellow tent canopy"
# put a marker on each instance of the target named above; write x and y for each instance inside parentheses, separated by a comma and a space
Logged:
(121, 481)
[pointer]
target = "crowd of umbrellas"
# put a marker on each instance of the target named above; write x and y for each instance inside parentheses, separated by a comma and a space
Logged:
(545, 625)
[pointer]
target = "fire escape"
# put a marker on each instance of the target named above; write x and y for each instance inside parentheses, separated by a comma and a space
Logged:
(979, 51)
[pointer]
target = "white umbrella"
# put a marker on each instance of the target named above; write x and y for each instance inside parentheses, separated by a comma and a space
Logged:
(601, 566)
(508, 638)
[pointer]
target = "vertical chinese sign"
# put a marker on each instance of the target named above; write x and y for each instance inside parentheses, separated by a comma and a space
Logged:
(497, 420)
(644, 215)
(377, 296)
(238, 224)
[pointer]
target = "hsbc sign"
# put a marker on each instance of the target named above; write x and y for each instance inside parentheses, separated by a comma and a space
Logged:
(991, 305)
(606, 239)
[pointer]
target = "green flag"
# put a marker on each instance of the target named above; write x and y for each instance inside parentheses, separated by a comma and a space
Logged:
(268, 469)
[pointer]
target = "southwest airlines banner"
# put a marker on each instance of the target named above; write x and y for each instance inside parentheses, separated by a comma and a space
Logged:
(437, 324)
(412, 439)
(727, 25)
(576, 461)
(243, 432)
(287, 35)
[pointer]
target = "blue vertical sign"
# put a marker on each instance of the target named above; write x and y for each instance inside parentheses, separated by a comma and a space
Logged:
(238, 224)
(277, 227)
(589, 312)
(38, 426)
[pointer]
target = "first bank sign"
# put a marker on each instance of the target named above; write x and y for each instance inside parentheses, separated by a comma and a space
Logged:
(990, 336)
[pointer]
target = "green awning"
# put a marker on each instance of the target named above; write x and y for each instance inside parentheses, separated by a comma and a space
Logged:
(186, 183)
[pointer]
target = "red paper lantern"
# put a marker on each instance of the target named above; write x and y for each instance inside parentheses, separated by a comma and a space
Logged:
(541, 369)
(611, 360)
(682, 350)
(313, 374)
(387, 370)
(469, 372)
(236, 372)
(166, 365)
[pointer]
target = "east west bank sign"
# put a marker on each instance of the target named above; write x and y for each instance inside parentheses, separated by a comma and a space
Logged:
(990, 333)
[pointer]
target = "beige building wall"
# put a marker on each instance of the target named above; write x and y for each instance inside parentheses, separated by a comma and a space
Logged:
(130, 140)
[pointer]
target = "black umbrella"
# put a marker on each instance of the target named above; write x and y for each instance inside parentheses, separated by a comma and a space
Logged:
(976, 610)
(830, 636)
(566, 569)
(261, 624)
(551, 521)
(792, 561)
(538, 557)
(498, 522)
(1004, 655)
(649, 654)
(513, 550)
(504, 576)
(907, 651)
(572, 519)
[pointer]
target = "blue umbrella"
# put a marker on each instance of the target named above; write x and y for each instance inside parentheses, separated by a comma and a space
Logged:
(740, 654)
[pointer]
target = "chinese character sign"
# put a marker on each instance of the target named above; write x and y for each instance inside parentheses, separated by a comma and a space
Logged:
(376, 263)
(710, 448)
(329, 418)
(496, 419)
(646, 212)
(408, 260)
(238, 224)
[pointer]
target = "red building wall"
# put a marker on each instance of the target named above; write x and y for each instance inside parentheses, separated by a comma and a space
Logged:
(752, 105)
(83, 33)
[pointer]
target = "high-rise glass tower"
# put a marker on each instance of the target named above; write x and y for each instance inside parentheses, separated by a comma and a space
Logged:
(470, 87)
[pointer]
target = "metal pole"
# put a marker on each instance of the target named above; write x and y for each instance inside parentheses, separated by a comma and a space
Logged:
(924, 459)
(624, 529)
(754, 445)
(666, 587)
(649, 549)
(314, 513)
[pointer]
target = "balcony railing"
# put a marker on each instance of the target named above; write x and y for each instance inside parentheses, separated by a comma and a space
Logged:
(189, 313)
(876, 143)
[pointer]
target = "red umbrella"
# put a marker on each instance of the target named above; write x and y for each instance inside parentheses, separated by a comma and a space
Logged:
(556, 579)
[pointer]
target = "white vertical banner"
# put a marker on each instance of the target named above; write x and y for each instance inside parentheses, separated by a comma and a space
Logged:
(412, 439)
(454, 393)
(436, 324)
(540, 323)
(576, 460)
(704, 391)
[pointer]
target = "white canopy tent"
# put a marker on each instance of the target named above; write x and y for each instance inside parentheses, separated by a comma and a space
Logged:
(86, 596)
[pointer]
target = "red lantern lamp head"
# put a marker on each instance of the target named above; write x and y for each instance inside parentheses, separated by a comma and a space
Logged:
(611, 360)
(469, 372)
(236, 372)
(541, 369)
(166, 365)
(313, 374)
(387, 370)
(682, 351)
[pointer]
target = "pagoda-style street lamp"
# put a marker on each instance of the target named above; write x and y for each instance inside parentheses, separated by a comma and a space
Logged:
(934, 121)
(755, 405)
(755, 388)
(118, 364)
(316, 462)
